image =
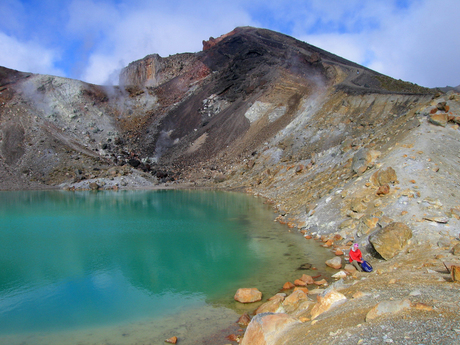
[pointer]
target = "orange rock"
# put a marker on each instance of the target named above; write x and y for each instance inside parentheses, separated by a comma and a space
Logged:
(278, 296)
(288, 285)
(338, 252)
(383, 190)
(326, 302)
(337, 237)
(234, 337)
(248, 295)
(321, 282)
(439, 119)
(299, 282)
(172, 340)
(328, 244)
(303, 289)
(270, 306)
(422, 306)
(307, 279)
(293, 301)
(265, 327)
(308, 237)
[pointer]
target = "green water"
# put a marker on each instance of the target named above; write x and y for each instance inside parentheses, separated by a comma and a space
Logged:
(73, 262)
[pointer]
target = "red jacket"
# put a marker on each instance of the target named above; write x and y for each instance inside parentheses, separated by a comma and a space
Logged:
(355, 255)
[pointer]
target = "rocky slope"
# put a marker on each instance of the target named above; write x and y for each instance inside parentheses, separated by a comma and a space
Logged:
(339, 150)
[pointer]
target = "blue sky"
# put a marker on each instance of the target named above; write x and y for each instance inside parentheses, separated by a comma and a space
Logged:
(91, 40)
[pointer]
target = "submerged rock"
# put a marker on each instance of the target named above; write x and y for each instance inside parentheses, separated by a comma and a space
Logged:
(305, 267)
(244, 320)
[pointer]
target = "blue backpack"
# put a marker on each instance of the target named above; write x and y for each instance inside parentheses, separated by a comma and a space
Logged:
(366, 266)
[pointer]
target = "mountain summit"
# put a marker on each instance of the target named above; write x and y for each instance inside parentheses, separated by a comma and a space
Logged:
(169, 116)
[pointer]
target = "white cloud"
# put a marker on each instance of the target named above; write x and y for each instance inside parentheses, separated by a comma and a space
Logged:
(418, 44)
(27, 56)
(138, 32)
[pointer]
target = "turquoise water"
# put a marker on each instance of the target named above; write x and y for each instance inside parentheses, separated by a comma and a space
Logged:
(85, 260)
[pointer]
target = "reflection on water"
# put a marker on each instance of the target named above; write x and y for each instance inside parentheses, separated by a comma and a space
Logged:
(74, 261)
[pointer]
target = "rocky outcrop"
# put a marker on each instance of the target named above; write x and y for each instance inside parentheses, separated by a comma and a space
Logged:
(213, 41)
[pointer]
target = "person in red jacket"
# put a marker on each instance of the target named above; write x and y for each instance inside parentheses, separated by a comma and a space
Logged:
(356, 257)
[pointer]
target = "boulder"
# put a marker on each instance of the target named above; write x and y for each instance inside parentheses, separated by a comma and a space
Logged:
(335, 262)
(388, 307)
(281, 295)
(439, 119)
(291, 302)
(321, 282)
(304, 289)
(384, 177)
(271, 306)
(267, 328)
(327, 301)
(391, 239)
(248, 295)
(288, 285)
(350, 268)
(307, 279)
(299, 282)
(339, 275)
